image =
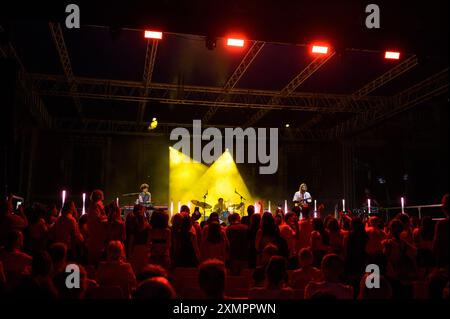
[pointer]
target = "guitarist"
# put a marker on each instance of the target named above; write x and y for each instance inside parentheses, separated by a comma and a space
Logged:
(302, 197)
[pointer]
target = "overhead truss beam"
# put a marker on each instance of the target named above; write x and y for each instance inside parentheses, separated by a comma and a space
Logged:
(421, 92)
(199, 96)
(291, 87)
(96, 126)
(249, 57)
(58, 39)
(386, 77)
(150, 57)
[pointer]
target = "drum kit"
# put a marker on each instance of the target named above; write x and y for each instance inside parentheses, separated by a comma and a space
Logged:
(223, 214)
(229, 208)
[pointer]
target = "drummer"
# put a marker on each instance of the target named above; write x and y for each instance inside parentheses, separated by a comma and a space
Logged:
(220, 206)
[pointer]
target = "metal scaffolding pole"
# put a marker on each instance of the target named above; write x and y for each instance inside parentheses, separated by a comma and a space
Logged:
(235, 77)
(291, 86)
(58, 39)
(105, 89)
(150, 58)
(391, 74)
(423, 91)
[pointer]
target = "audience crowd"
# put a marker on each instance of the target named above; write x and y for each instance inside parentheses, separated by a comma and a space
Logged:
(284, 255)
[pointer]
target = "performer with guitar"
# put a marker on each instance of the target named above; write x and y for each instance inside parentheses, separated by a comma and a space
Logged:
(302, 196)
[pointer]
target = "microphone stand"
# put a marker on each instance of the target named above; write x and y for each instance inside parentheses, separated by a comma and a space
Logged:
(204, 210)
(242, 198)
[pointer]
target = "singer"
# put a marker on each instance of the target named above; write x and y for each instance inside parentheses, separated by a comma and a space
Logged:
(302, 196)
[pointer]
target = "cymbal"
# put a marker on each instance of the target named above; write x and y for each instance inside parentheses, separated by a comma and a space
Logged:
(201, 204)
(237, 206)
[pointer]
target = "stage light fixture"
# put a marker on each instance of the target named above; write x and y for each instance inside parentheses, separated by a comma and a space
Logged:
(392, 55)
(319, 49)
(153, 35)
(287, 125)
(235, 42)
(153, 124)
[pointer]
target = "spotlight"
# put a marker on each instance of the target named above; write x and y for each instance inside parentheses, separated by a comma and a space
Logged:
(235, 42)
(153, 34)
(319, 49)
(392, 55)
(221, 179)
(153, 124)
(287, 125)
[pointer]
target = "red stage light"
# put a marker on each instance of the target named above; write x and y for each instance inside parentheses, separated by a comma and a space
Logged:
(320, 49)
(392, 55)
(153, 34)
(235, 42)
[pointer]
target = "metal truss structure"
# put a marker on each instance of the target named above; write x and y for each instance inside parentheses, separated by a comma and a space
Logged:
(105, 89)
(365, 110)
(391, 74)
(235, 77)
(423, 91)
(150, 57)
(115, 127)
(30, 98)
(289, 89)
(58, 39)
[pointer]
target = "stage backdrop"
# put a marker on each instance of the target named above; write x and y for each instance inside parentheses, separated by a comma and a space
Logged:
(116, 164)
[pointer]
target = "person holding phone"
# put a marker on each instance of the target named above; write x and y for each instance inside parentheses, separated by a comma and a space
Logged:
(10, 221)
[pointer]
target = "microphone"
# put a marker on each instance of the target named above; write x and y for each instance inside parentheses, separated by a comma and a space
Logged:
(236, 192)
